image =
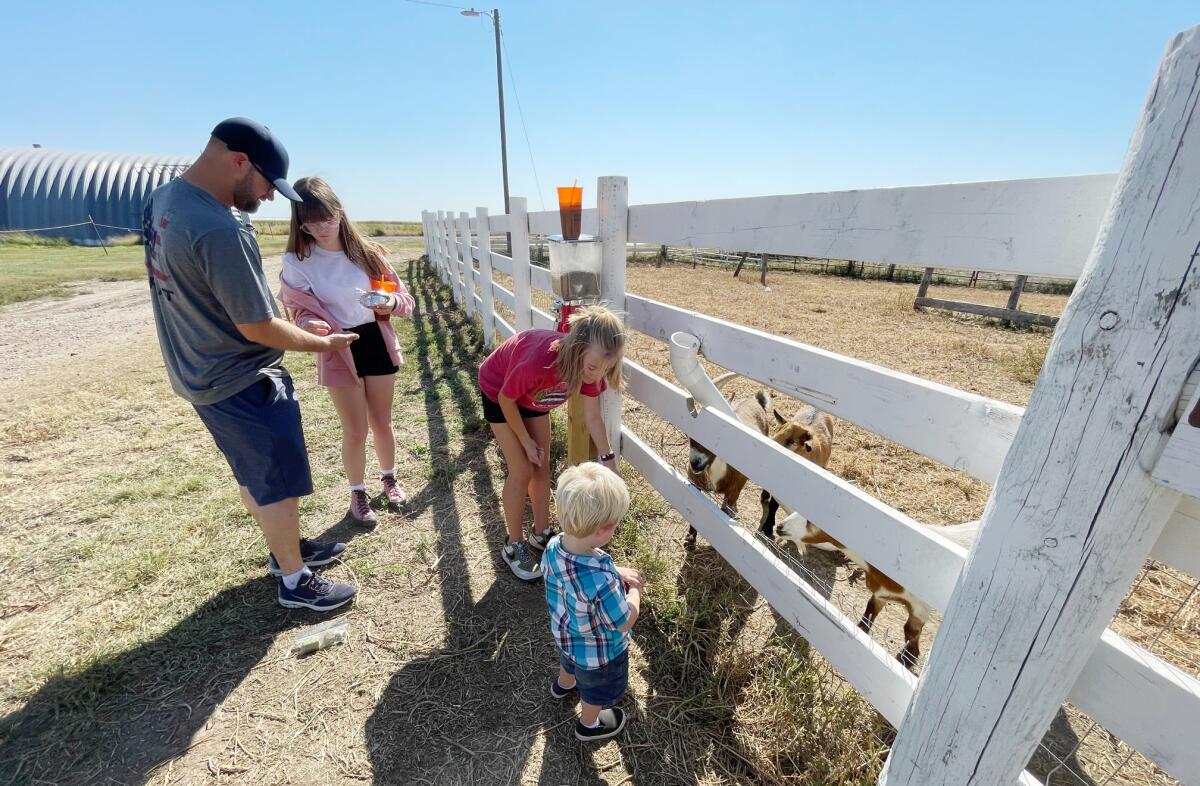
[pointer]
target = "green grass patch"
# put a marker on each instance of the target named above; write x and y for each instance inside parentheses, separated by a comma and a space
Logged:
(29, 271)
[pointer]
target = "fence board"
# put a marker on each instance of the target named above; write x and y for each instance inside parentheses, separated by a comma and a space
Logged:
(539, 278)
(504, 296)
(870, 669)
(1179, 543)
(888, 539)
(959, 429)
(1043, 226)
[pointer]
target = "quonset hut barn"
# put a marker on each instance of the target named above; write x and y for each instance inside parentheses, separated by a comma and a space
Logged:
(42, 188)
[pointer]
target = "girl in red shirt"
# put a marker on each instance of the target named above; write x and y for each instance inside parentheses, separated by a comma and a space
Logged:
(528, 375)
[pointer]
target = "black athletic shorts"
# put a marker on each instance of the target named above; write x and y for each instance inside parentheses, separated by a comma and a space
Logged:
(493, 414)
(371, 358)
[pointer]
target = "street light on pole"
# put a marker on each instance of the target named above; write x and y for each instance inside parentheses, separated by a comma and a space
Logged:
(495, 17)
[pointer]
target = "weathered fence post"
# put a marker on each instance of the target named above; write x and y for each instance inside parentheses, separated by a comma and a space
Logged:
(1075, 510)
(438, 245)
(483, 234)
(452, 257)
(425, 235)
(741, 262)
(1014, 297)
(762, 273)
(662, 255)
(613, 206)
(518, 223)
(467, 262)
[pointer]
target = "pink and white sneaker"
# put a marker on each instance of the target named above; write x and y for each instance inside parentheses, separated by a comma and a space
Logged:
(360, 508)
(393, 493)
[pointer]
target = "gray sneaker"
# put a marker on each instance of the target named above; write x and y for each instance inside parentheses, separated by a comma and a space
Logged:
(521, 560)
(538, 541)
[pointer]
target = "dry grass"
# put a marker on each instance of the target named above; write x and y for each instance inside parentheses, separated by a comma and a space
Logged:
(144, 645)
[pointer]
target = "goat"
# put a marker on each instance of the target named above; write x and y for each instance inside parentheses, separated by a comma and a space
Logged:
(882, 588)
(809, 434)
(708, 471)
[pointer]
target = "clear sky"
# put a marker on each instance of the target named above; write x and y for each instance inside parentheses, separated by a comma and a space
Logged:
(395, 102)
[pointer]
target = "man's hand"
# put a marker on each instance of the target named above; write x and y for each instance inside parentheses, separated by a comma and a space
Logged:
(318, 327)
(339, 341)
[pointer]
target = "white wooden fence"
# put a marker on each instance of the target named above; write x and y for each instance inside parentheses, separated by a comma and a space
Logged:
(1088, 481)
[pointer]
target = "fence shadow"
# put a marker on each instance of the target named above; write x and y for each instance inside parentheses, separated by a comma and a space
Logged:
(473, 710)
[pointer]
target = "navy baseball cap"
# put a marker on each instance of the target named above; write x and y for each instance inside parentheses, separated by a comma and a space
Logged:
(266, 153)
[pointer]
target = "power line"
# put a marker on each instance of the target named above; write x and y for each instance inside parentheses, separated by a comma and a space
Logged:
(521, 113)
(440, 5)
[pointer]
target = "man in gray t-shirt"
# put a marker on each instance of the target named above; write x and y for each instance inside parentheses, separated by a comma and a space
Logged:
(223, 342)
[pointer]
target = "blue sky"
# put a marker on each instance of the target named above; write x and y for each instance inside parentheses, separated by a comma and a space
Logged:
(395, 103)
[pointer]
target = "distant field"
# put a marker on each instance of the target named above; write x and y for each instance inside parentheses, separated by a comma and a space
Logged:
(368, 228)
(30, 270)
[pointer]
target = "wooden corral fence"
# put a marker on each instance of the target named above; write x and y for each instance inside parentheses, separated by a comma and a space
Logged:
(1096, 475)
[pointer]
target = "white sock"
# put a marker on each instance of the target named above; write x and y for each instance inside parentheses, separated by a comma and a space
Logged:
(590, 725)
(357, 487)
(385, 472)
(292, 580)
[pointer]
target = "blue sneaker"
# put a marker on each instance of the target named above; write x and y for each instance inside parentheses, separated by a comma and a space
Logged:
(315, 592)
(314, 553)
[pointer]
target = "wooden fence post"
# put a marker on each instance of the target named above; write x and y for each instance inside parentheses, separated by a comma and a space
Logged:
(741, 262)
(1075, 510)
(425, 234)
(483, 235)
(613, 204)
(1014, 297)
(439, 243)
(518, 222)
(762, 274)
(662, 255)
(467, 262)
(451, 236)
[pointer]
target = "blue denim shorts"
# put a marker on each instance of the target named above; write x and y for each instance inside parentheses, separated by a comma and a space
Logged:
(260, 433)
(604, 686)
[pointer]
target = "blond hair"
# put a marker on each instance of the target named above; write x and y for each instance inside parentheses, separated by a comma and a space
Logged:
(590, 496)
(592, 327)
(319, 203)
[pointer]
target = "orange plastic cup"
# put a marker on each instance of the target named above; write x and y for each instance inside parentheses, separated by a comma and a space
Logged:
(570, 211)
(383, 285)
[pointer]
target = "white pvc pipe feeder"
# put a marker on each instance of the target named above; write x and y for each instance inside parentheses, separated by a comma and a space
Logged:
(685, 360)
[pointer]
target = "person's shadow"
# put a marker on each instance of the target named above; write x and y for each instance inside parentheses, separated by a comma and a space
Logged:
(122, 716)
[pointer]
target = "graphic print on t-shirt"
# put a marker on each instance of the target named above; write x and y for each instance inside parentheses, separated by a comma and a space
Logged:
(550, 397)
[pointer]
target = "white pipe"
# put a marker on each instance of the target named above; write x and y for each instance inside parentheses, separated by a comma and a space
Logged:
(685, 360)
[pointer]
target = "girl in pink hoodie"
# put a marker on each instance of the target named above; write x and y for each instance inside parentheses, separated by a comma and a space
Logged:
(327, 264)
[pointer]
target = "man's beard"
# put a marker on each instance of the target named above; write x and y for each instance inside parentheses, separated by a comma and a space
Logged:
(243, 194)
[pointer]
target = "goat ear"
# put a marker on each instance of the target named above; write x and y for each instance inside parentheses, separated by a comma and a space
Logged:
(778, 417)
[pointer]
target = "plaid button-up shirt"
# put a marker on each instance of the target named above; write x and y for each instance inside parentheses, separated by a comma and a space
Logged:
(587, 605)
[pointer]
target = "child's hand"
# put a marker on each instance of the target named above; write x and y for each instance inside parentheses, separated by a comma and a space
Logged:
(387, 307)
(631, 577)
(318, 327)
(533, 451)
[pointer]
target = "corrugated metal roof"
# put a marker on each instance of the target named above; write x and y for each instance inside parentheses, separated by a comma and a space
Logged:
(46, 188)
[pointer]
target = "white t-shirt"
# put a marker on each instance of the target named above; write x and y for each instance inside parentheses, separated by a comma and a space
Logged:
(332, 277)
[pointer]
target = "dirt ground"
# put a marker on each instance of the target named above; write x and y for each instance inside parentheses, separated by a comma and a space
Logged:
(145, 647)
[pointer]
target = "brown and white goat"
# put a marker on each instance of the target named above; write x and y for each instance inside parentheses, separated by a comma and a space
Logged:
(809, 434)
(709, 471)
(883, 588)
